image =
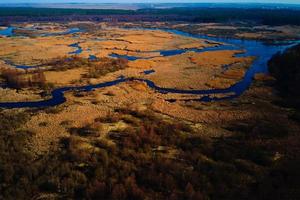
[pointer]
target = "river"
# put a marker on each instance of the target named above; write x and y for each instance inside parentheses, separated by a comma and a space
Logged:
(263, 52)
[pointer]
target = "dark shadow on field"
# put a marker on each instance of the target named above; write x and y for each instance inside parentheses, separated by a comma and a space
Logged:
(153, 158)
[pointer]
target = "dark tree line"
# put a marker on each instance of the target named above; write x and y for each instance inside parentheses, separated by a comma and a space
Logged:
(19, 79)
(264, 16)
(285, 67)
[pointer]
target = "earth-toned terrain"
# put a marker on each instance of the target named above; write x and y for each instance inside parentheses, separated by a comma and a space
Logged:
(241, 30)
(159, 120)
(189, 70)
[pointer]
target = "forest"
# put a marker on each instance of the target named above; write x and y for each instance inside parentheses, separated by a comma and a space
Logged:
(263, 16)
(285, 67)
(141, 164)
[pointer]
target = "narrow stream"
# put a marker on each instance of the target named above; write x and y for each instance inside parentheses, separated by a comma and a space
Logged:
(262, 52)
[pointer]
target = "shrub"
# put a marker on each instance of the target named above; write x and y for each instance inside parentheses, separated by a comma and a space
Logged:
(96, 68)
(18, 79)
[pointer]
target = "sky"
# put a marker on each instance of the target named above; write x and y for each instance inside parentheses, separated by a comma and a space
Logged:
(149, 1)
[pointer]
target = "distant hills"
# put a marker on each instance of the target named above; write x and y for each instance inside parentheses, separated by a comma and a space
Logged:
(266, 14)
(136, 6)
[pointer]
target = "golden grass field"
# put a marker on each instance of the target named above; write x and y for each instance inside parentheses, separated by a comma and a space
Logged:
(189, 70)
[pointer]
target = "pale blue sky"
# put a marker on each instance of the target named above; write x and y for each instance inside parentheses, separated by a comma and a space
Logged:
(149, 1)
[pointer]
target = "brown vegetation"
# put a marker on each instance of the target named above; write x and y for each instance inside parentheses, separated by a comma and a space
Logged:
(153, 158)
(106, 65)
(18, 79)
(96, 68)
(128, 142)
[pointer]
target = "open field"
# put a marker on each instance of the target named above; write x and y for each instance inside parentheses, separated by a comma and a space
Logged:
(189, 71)
(192, 68)
(267, 33)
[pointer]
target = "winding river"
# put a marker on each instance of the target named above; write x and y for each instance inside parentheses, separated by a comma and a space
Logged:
(263, 52)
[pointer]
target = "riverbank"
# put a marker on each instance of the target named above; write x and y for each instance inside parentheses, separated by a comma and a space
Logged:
(230, 77)
(129, 119)
(264, 33)
(172, 123)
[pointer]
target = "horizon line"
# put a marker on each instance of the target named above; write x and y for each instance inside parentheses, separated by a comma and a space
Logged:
(272, 3)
